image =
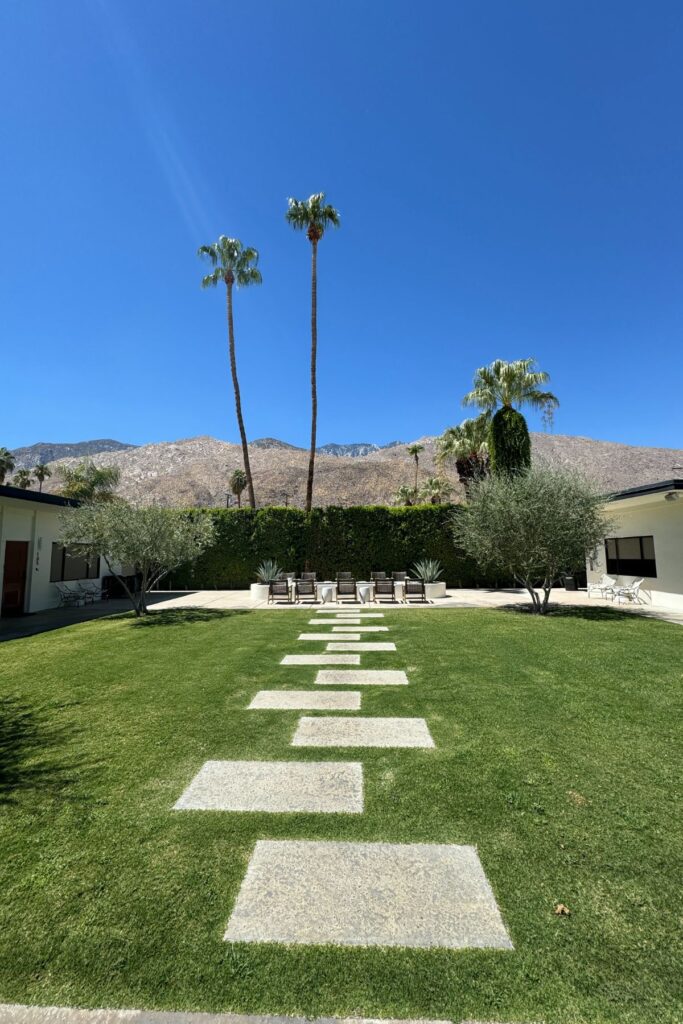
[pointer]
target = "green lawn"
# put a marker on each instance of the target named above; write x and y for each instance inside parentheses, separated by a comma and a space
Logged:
(558, 755)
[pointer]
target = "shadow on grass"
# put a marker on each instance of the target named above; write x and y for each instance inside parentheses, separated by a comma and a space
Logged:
(179, 616)
(30, 754)
(572, 611)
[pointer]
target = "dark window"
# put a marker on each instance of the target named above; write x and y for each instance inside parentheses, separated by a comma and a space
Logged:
(65, 567)
(631, 556)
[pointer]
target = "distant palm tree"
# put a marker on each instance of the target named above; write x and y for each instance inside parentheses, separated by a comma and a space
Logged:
(509, 385)
(467, 446)
(41, 472)
(7, 463)
(436, 490)
(234, 265)
(22, 478)
(314, 216)
(405, 495)
(238, 482)
(88, 482)
(415, 450)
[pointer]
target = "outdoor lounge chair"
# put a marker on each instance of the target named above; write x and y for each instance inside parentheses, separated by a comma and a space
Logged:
(308, 576)
(346, 589)
(279, 589)
(344, 575)
(606, 585)
(630, 592)
(400, 577)
(414, 590)
(305, 590)
(378, 575)
(68, 597)
(91, 591)
(385, 590)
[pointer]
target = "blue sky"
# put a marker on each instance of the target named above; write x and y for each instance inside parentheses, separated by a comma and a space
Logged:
(508, 175)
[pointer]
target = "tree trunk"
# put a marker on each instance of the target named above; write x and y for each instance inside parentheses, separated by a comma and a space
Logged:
(238, 400)
(417, 470)
(239, 499)
(314, 382)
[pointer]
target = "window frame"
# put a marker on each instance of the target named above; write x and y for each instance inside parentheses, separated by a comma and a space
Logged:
(621, 566)
(92, 569)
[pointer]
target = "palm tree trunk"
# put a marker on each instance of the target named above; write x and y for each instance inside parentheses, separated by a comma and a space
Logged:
(417, 469)
(238, 400)
(314, 382)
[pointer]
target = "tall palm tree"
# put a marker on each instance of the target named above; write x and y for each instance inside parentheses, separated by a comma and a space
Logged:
(314, 216)
(508, 385)
(467, 446)
(41, 472)
(415, 450)
(22, 478)
(7, 463)
(238, 481)
(234, 264)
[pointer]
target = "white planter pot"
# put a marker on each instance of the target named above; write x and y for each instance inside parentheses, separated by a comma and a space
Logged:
(436, 590)
(259, 591)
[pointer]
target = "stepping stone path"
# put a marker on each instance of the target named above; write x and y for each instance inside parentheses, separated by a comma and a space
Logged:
(306, 700)
(344, 893)
(275, 786)
(367, 894)
(362, 677)
(362, 732)
(346, 645)
(321, 659)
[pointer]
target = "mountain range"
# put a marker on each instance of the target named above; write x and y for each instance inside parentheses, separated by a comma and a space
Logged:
(195, 472)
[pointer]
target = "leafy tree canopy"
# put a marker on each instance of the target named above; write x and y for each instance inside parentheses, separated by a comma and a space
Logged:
(88, 482)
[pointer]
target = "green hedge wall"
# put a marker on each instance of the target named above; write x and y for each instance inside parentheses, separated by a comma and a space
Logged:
(358, 539)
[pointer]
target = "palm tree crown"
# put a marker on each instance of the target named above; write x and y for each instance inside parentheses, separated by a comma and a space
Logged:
(312, 215)
(466, 441)
(6, 463)
(41, 472)
(233, 262)
(509, 385)
(23, 479)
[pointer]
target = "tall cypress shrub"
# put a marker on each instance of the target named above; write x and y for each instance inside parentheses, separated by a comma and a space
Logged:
(509, 442)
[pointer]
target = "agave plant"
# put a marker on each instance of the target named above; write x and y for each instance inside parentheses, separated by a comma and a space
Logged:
(268, 571)
(428, 570)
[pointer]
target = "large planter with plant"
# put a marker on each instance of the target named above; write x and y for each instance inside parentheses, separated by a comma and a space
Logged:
(429, 570)
(267, 571)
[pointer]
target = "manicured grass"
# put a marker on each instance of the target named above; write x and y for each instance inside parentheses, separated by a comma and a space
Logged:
(557, 754)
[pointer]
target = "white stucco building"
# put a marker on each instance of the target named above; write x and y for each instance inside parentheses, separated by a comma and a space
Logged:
(31, 558)
(646, 541)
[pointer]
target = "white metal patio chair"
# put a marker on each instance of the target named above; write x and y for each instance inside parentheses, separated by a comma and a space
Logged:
(631, 592)
(606, 585)
(69, 597)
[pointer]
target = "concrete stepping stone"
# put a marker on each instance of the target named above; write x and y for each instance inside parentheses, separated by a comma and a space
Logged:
(275, 786)
(306, 700)
(14, 1013)
(324, 636)
(321, 659)
(360, 645)
(361, 732)
(347, 620)
(360, 629)
(361, 677)
(367, 894)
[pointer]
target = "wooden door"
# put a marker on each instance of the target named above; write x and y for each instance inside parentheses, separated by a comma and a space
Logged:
(14, 577)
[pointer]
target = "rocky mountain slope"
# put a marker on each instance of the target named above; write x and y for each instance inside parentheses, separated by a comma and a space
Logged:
(46, 451)
(194, 472)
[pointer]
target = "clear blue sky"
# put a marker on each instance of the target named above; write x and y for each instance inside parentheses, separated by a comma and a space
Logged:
(509, 177)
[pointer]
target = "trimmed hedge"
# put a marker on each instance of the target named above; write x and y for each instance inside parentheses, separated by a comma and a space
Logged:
(509, 442)
(357, 539)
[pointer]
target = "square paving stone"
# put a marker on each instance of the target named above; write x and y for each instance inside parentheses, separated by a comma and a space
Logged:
(321, 659)
(367, 894)
(367, 645)
(348, 620)
(324, 636)
(277, 786)
(360, 629)
(306, 700)
(361, 677)
(362, 732)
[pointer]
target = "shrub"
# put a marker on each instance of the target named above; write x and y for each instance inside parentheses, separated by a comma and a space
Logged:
(359, 539)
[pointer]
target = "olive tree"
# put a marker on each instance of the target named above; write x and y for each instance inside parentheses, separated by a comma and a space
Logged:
(535, 526)
(149, 541)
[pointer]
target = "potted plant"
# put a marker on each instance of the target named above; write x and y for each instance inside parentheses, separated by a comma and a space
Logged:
(429, 570)
(267, 571)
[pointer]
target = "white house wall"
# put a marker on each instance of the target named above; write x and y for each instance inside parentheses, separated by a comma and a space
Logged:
(39, 525)
(651, 515)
